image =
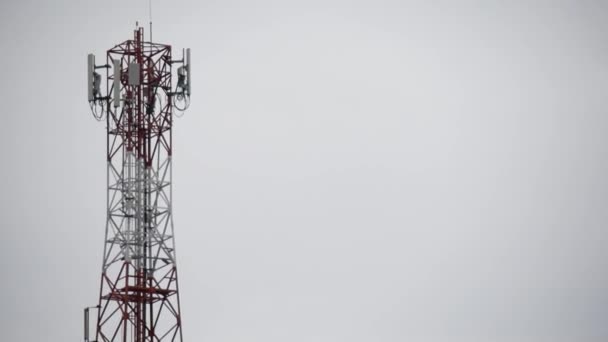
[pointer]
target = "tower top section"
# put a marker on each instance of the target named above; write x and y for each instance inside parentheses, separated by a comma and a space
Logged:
(136, 62)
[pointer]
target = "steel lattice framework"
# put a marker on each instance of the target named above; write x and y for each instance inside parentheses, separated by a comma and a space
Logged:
(139, 298)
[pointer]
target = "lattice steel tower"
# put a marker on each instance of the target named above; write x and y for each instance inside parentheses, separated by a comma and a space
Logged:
(139, 298)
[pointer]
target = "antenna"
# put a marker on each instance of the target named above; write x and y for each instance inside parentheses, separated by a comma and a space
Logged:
(133, 73)
(90, 71)
(150, 17)
(117, 75)
(96, 101)
(188, 71)
(182, 91)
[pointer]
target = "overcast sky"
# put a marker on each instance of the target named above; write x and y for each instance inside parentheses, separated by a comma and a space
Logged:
(361, 171)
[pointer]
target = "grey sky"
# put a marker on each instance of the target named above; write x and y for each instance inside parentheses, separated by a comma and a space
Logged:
(348, 171)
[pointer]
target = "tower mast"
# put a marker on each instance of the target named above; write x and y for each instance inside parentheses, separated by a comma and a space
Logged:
(139, 297)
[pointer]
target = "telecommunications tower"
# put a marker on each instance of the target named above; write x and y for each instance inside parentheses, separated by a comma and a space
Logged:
(138, 298)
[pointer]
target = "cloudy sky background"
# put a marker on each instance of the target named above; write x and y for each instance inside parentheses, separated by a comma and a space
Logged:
(381, 171)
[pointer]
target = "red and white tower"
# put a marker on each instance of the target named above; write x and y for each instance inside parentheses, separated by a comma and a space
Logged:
(139, 297)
